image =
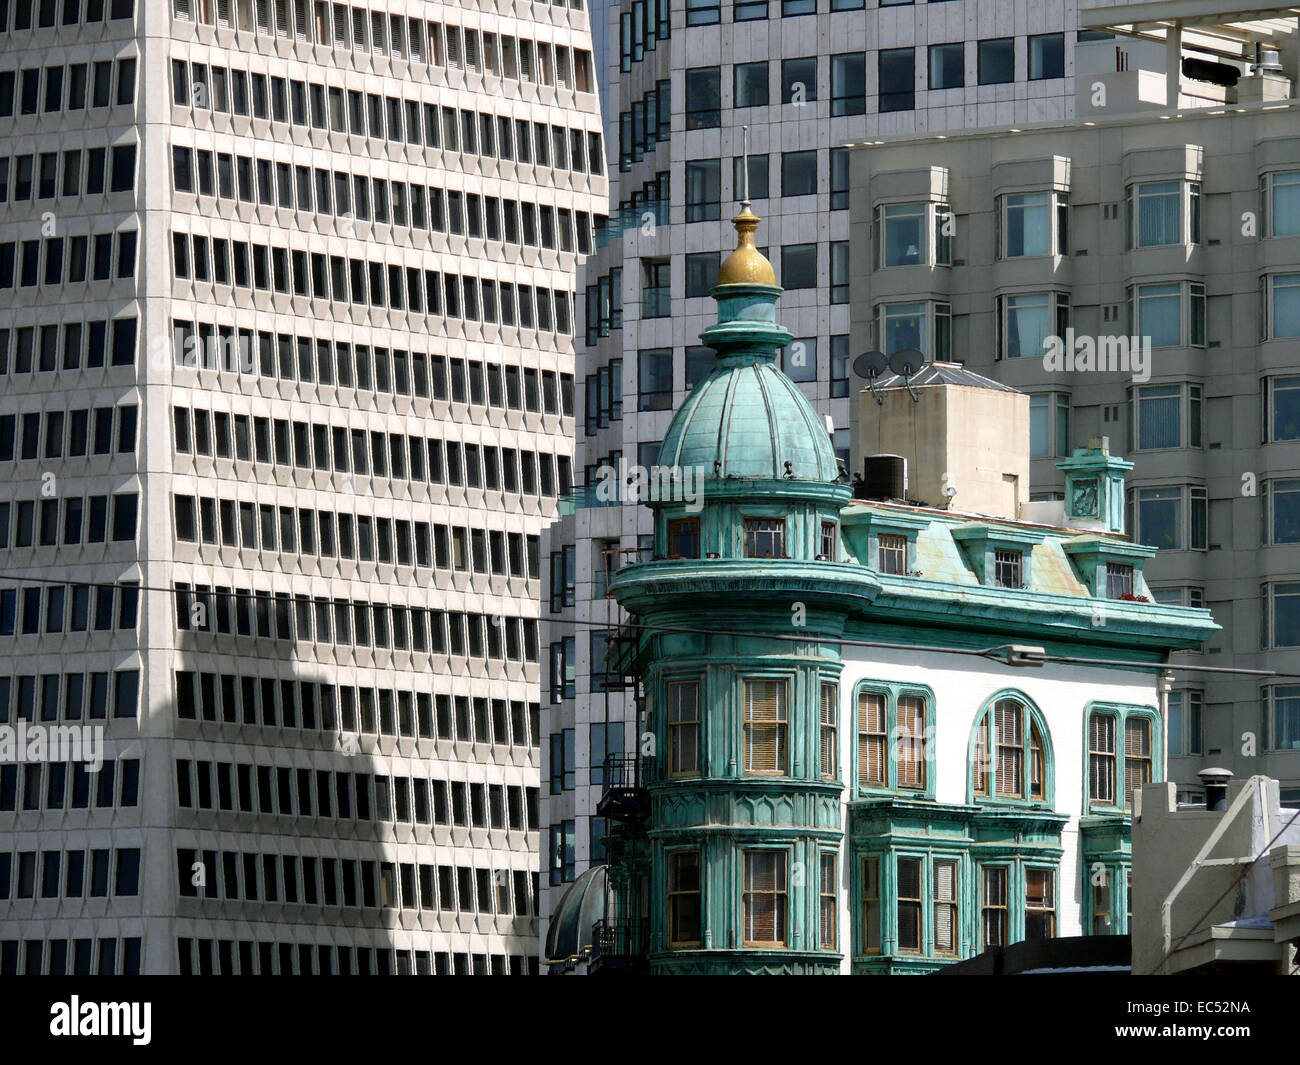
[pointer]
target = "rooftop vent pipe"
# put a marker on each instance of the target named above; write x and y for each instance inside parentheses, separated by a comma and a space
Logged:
(1215, 782)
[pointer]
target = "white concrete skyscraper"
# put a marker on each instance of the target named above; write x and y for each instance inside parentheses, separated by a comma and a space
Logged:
(286, 400)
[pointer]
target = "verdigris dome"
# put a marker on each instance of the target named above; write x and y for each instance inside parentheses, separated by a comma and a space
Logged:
(747, 419)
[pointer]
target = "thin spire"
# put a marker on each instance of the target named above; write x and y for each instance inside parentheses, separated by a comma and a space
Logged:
(744, 168)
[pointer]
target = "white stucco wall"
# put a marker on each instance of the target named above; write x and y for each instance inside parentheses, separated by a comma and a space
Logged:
(961, 685)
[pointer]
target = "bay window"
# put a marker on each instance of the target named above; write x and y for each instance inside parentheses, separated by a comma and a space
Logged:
(828, 938)
(924, 326)
(1281, 506)
(910, 902)
(764, 898)
(1282, 408)
(1164, 212)
(912, 234)
(1168, 315)
(766, 724)
(829, 720)
(994, 911)
(1280, 614)
(1032, 224)
(1040, 903)
(1159, 516)
(1281, 306)
(684, 899)
(1167, 416)
(1184, 718)
(1282, 704)
(870, 905)
(1280, 203)
(1048, 439)
(683, 728)
(1027, 319)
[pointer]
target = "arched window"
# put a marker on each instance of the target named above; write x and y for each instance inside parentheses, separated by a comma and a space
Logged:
(1010, 755)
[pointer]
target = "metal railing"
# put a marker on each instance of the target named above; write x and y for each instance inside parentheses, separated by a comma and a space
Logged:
(612, 940)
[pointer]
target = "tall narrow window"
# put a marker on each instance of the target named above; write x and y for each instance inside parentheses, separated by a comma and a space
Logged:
(1037, 763)
(871, 905)
(911, 742)
(765, 726)
(1137, 756)
(909, 905)
(684, 538)
(1040, 904)
(993, 915)
(829, 886)
(945, 907)
(684, 899)
(1009, 725)
(830, 763)
(1101, 758)
(683, 728)
(871, 739)
(764, 901)
(1101, 906)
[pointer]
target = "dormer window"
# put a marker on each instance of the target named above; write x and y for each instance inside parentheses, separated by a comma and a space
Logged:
(891, 553)
(1000, 557)
(765, 538)
(684, 538)
(1119, 580)
(1007, 568)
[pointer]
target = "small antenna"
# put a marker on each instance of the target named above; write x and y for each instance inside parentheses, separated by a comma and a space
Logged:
(744, 180)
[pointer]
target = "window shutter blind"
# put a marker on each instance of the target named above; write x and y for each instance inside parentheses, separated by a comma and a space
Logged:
(829, 761)
(765, 723)
(911, 748)
(1037, 766)
(981, 767)
(945, 907)
(1010, 747)
(1137, 756)
(829, 899)
(764, 896)
(871, 738)
(1101, 758)
(909, 904)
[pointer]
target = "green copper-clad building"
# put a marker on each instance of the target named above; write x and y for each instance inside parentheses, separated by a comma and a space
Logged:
(862, 747)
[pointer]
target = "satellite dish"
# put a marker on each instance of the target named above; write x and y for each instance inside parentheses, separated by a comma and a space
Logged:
(906, 361)
(870, 365)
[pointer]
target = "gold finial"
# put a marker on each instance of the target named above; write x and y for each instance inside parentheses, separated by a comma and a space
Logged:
(746, 265)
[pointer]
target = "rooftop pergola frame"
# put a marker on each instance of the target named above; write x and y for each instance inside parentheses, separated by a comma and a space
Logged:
(1206, 26)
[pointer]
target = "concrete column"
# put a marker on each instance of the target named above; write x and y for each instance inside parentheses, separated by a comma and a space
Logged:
(1173, 64)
